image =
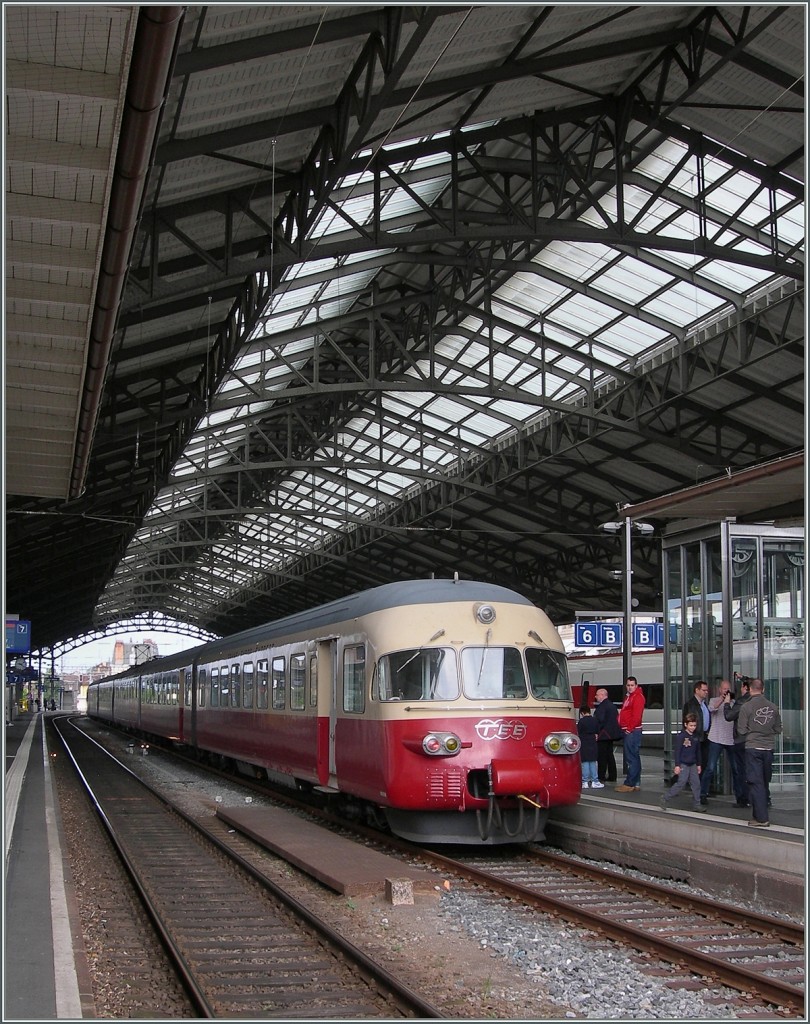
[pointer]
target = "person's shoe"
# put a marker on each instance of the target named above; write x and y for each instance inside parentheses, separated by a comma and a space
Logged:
(742, 803)
(636, 788)
(700, 808)
(705, 801)
(759, 824)
(625, 789)
(663, 802)
(597, 785)
(584, 785)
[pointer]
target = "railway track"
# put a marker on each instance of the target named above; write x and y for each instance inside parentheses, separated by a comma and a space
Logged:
(749, 952)
(242, 947)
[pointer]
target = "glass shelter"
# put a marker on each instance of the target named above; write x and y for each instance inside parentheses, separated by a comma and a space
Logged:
(734, 607)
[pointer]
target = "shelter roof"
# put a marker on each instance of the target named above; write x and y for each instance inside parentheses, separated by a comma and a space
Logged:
(372, 293)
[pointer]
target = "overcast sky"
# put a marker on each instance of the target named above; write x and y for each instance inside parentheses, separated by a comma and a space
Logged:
(98, 651)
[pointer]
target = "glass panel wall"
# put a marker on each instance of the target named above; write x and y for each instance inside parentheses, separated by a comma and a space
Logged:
(783, 647)
(735, 607)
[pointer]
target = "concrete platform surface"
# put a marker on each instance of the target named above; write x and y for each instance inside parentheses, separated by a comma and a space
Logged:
(347, 867)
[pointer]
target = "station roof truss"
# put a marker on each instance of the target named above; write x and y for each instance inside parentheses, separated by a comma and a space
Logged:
(424, 290)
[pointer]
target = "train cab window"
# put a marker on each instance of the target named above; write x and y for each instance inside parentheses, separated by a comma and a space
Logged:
(279, 681)
(247, 685)
(548, 674)
(214, 687)
(492, 673)
(298, 672)
(202, 686)
(313, 682)
(354, 678)
(417, 675)
(262, 677)
(236, 686)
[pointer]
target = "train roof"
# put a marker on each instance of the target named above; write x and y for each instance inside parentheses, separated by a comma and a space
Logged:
(389, 595)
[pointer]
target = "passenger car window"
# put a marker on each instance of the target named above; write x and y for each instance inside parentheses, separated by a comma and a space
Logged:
(262, 678)
(236, 686)
(247, 685)
(298, 672)
(279, 679)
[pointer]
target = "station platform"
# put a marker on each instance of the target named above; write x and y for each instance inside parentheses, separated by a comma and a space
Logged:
(42, 965)
(44, 976)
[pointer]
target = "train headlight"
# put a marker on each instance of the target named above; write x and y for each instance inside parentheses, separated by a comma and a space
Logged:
(441, 744)
(485, 614)
(562, 743)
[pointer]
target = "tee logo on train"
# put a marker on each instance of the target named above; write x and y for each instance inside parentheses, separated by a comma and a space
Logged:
(500, 729)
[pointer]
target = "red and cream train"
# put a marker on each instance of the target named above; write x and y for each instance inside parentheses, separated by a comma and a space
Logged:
(438, 708)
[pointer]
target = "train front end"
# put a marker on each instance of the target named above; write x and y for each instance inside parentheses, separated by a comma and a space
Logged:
(481, 738)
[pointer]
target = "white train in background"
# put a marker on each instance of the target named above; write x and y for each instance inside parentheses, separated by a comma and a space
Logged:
(590, 672)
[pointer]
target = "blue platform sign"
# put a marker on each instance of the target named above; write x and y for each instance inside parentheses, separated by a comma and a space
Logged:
(598, 634)
(18, 636)
(648, 634)
(586, 634)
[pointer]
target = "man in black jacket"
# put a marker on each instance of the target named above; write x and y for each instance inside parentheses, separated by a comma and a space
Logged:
(606, 716)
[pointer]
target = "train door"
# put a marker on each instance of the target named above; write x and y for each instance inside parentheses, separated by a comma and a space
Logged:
(326, 667)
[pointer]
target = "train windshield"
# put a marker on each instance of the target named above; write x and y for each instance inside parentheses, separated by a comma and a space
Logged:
(422, 674)
(548, 674)
(493, 673)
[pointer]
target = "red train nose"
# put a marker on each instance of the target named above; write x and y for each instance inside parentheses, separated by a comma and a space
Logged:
(510, 777)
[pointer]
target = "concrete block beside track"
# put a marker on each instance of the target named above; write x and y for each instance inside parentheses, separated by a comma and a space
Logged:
(347, 867)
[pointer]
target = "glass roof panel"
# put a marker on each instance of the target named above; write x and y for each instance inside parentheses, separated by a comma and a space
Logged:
(586, 301)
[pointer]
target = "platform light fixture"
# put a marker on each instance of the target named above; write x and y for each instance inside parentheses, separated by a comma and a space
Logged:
(626, 526)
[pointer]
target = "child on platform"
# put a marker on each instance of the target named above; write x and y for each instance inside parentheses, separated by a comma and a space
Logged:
(687, 764)
(587, 728)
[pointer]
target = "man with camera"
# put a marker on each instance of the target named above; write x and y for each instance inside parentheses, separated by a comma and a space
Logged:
(732, 707)
(721, 738)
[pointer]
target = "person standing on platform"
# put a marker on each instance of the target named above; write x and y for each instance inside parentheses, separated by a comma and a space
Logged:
(606, 716)
(686, 756)
(759, 722)
(587, 729)
(630, 719)
(698, 705)
(731, 711)
(721, 738)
